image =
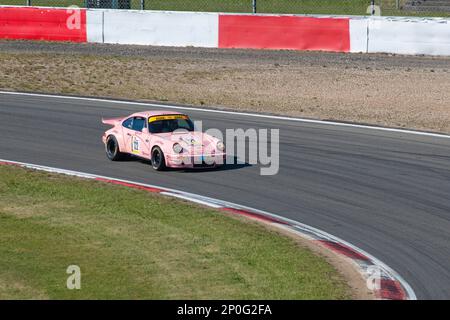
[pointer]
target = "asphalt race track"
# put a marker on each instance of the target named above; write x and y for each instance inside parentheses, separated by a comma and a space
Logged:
(386, 192)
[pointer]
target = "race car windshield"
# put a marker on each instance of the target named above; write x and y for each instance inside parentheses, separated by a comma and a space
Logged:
(162, 126)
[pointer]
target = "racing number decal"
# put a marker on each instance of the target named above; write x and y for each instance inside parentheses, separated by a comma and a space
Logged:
(135, 145)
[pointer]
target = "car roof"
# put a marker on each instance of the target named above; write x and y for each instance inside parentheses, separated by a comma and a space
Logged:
(152, 113)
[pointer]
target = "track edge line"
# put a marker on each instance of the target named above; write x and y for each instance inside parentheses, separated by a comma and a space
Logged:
(239, 113)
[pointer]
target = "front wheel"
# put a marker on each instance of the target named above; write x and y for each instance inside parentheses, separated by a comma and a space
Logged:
(112, 149)
(158, 161)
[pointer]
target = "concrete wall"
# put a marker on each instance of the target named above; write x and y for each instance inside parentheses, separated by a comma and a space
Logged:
(160, 28)
(409, 36)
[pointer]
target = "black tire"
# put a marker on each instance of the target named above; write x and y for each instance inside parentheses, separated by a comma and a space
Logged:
(112, 149)
(158, 160)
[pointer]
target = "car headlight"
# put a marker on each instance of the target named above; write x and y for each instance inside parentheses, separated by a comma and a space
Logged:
(177, 148)
(220, 146)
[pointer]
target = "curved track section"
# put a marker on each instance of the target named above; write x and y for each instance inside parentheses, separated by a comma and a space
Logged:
(387, 192)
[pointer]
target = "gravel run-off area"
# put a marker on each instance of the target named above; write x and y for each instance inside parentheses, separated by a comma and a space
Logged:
(396, 91)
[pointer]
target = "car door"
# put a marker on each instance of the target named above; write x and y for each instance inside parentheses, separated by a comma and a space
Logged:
(140, 145)
(127, 134)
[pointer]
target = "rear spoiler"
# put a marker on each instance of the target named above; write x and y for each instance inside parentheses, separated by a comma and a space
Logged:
(112, 121)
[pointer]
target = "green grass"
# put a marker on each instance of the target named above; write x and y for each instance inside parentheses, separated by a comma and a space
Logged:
(340, 7)
(265, 6)
(133, 244)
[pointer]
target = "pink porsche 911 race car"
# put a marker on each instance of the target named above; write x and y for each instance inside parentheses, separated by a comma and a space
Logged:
(166, 138)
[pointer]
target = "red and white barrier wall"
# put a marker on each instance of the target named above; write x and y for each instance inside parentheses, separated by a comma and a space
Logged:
(219, 30)
(49, 24)
(409, 36)
(284, 32)
(160, 28)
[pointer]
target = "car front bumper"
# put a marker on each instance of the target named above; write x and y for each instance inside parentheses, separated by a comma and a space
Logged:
(184, 160)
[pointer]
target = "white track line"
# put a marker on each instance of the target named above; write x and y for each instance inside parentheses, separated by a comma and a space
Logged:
(300, 228)
(255, 115)
(179, 195)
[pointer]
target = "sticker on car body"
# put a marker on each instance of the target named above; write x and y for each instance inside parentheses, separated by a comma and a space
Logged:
(135, 145)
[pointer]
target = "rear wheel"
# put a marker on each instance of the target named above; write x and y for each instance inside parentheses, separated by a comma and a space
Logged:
(158, 161)
(112, 149)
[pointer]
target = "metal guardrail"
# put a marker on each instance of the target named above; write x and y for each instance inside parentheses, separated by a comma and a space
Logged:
(328, 7)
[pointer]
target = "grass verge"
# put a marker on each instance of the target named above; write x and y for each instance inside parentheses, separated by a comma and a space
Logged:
(135, 245)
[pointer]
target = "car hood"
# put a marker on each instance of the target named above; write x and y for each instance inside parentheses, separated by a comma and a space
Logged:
(191, 140)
